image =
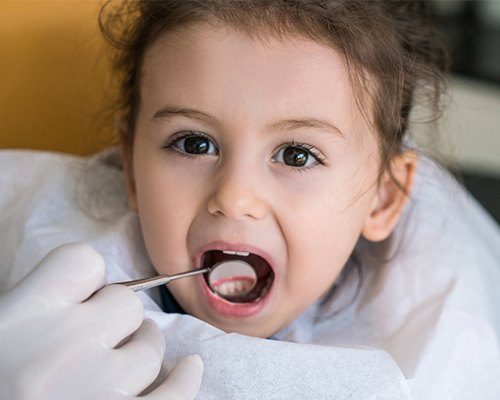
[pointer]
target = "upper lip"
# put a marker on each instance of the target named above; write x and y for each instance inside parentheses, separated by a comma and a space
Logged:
(226, 246)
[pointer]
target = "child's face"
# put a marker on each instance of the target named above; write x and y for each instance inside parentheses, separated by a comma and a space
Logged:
(240, 183)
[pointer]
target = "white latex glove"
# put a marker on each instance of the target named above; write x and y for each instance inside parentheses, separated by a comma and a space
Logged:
(57, 343)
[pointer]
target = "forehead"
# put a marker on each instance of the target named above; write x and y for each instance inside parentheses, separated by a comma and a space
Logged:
(230, 73)
(214, 40)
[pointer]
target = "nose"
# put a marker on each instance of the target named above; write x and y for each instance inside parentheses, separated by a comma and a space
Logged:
(238, 195)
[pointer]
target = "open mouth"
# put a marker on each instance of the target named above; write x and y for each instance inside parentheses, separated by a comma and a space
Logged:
(246, 279)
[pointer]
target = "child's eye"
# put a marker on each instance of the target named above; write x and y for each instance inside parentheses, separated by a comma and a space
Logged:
(298, 155)
(192, 143)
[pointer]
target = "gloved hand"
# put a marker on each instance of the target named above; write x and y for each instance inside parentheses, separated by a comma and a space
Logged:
(57, 343)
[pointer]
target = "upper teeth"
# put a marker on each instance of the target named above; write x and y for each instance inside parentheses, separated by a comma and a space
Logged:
(239, 253)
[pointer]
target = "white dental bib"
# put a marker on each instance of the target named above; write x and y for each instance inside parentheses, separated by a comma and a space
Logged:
(425, 325)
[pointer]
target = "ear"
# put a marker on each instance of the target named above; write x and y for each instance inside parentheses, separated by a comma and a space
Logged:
(390, 199)
(125, 140)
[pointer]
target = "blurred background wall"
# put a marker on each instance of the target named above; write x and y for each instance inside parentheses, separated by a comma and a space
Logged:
(56, 89)
(470, 127)
(54, 77)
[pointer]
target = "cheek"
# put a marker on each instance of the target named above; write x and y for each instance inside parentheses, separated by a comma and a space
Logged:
(165, 206)
(322, 230)
(321, 247)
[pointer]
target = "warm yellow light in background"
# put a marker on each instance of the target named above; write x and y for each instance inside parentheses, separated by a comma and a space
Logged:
(55, 89)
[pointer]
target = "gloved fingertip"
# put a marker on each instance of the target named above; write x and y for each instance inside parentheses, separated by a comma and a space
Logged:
(183, 381)
(83, 261)
(70, 272)
(194, 359)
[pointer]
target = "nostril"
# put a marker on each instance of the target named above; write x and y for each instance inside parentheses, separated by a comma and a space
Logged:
(214, 208)
(239, 208)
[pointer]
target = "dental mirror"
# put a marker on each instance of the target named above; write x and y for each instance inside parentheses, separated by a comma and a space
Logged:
(228, 279)
(234, 278)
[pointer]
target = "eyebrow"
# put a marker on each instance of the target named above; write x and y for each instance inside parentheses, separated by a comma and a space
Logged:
(290, 124)
(168, 112)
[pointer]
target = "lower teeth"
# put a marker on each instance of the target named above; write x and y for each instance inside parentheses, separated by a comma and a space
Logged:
(248, 296)
(235, 286)
(233, 278)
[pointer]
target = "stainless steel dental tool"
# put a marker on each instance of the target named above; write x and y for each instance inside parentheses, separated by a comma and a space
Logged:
(148, 283)
(227, 279)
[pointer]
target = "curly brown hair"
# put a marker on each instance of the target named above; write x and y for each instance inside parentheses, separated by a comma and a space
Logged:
(390, 49)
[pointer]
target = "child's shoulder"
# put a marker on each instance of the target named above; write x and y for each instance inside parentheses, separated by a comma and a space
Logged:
(50, 198)
(23, 171)
(443, 214)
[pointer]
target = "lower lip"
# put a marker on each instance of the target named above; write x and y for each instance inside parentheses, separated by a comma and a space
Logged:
(229, 309)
